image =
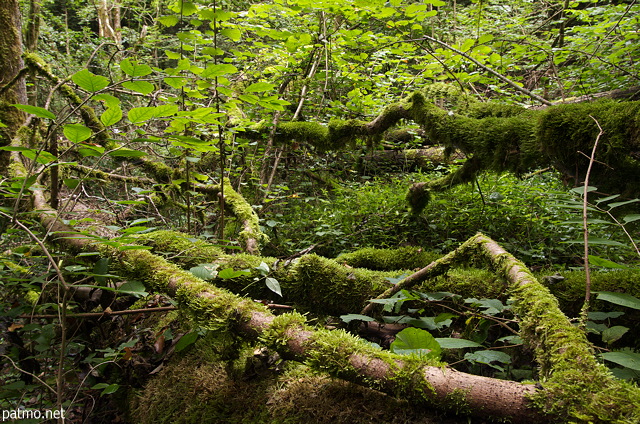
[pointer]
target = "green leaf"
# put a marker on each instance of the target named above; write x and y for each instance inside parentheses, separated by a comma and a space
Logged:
(605, 263)
(618, 204)
(76, 133)
(263, 268)
(127, 153)
(352, 317)
(273, 285)
(492, 306)
(205, 271)
(100, 270)
(232, 33)
(107, 388)
(108, 99)
(111, 116)
(259, 87)
(451, 343)
(621, 299)
(71, 183)
(230, 273)
(142, 114)
(186, 341)
(184, 8)
(40, 112)
(414, 341)
(631, 218)
(90, 81)
(169, 20)
(135, 288)
(142, 87)
(580, 190)
(614, 333)
(175, 82)
(33, 154)
(133, 69)
(624, 358)
(218, 70)
(488, 356)
(596, 241)
(601, 316)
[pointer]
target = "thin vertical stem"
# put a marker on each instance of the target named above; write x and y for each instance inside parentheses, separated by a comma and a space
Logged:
(585, 203)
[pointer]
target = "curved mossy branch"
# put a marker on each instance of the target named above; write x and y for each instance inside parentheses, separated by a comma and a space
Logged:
(251, 236)
(434, 269)
(577, 388)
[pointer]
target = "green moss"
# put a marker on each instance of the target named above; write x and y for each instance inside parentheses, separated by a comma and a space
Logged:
(245, 213)
(333, 288)
(337, 352)
(200, 387)
(567, 130)
(281, 329)
(389, 259)
(187, 251)
(159, 171)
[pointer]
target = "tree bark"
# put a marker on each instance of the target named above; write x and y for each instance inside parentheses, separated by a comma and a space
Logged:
(12, 85)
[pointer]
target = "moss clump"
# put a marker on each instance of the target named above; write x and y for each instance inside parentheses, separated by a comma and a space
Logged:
(389, 259)
(200, 387)
(336, 289)
(337, 353)
(281, 329)
(186, 250)
(159, 171)
(245, 213)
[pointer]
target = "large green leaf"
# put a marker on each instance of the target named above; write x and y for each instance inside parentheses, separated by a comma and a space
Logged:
(625, 358)
(37, 111)
(351, 317)
(141, 114)
(259, 87)
(33, 154)
(621, 299)
(218, 70)
(127, 153)
(76, 133)
(111, 116)
(451, 343)
(133, 69)
(273, 285)
(89, 81)
(205, 271)
(487, 357)
(414, 341)
(142, 87)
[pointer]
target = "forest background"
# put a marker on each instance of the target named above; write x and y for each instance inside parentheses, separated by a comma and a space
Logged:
(313, 154)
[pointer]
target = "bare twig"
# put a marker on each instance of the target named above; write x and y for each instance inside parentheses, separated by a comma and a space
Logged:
(587, 270)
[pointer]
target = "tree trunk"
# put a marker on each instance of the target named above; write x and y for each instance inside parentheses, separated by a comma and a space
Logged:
(109, 20)
(13, 89)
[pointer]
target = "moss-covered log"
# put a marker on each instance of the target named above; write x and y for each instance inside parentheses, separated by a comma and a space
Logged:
(505, 138)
